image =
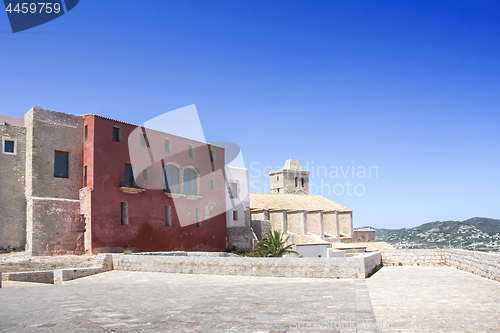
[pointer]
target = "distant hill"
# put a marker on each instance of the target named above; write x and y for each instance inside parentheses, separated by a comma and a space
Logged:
(476, 233)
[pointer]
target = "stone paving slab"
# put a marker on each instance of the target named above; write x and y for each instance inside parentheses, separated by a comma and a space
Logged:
(133, 301)
(434, 299)
(123, 301)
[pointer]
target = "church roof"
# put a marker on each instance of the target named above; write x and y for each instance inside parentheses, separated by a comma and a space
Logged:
(293, 165)
(294, 202)
(310, 239)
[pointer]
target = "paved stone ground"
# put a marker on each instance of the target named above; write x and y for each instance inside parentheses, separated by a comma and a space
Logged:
(132, 301)
(434, 299)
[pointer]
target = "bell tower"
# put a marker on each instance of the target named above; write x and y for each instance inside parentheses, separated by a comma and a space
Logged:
(292, 179)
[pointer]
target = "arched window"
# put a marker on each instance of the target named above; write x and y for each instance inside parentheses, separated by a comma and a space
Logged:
(190, 182)
(171, 179)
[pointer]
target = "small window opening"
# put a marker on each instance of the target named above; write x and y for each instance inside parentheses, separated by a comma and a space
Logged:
(124, 213)
(168, 216)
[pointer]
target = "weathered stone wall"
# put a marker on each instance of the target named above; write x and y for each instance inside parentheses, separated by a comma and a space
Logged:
(315, 223)
(425, 257)
(86, 212)
(360, 236)
(279, 221)
(296, 222)
(47, 131)
(343, 268)
(58, 227)
(243, 238)
(483, 264)
(12, 200)
(345, 223)
(53, 225)
(330, 222)
(260, 228)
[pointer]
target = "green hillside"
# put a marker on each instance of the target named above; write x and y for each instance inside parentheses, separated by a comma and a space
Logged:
(476, 233)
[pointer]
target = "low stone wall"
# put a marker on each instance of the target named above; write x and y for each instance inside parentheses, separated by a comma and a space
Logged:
(58, 276)
(480, 263)
(355, 267)
(371, 260)
(426, 257)
(36, 276)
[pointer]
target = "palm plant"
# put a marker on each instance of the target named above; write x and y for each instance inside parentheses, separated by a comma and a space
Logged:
(274, 245)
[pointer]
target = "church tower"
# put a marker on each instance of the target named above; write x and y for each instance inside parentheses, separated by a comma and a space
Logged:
(292, 179)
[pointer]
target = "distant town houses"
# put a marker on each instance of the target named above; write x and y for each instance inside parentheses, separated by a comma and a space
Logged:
(75, 184)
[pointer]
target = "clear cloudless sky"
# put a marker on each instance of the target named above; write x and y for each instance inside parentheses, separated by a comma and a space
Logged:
(409, 87)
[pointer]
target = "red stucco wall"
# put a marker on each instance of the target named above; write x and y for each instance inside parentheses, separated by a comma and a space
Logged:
(105, 160)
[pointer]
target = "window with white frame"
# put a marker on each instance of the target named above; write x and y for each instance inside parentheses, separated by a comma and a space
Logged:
(233, 190)
(9, 146)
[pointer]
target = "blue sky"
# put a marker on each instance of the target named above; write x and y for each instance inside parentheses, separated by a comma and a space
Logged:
(410, 87)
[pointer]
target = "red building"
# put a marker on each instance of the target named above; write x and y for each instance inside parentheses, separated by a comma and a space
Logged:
(147, 190)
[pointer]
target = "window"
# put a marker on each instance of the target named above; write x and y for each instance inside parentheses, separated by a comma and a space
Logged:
(277, 177)
(296, 182)
(145, 174)
(85, 176)
(168, 145)
(198, 218)
(303, 182)
(235, 215)
(212, 184)
(171, 179)
(9, 146)
(129, 175)
(143, 140)
(168, 216)
(190, 182)
(86, 132)
(124, 214)
(233, 190)
(117, 134)
(191, 151)
(61, 164)
(212, 155)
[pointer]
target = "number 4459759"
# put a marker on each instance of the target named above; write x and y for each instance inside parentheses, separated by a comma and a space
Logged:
(47, 7)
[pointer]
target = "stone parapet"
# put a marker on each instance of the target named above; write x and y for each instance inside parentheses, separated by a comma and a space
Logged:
(355, 267)
(480, 263)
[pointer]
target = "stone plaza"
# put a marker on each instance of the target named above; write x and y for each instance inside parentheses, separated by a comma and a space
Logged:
(395, 299)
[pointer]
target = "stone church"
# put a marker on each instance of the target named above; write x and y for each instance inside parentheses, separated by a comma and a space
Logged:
(309, 218)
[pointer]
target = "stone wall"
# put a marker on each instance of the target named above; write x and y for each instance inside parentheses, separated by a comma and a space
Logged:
(331, 224)
(315, 223)
(480, 263)
(242, 238)
(345, 222)
(296, 223)
(260, 228)
(12, 200)
(58, 227)
(53, 221)
(426, 257)
(355, 267)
